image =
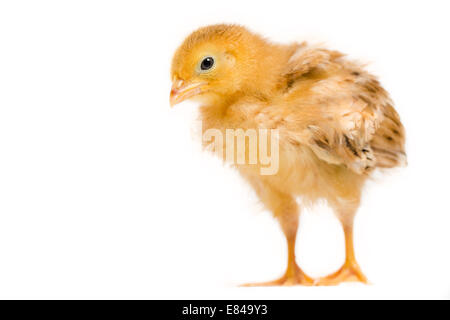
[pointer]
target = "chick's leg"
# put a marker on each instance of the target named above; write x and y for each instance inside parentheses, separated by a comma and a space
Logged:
(286, 211)
(293, 275)
(350, 271)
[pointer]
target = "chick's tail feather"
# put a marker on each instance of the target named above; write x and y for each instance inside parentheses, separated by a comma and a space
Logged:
(388, 143)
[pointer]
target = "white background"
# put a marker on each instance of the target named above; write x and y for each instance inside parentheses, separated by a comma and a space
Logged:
(104, 193)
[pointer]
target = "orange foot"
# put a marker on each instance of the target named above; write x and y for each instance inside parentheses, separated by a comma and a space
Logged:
(291, 278)
(349, 272)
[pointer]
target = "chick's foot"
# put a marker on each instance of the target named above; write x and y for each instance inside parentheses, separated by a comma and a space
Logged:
(292, 277)
(349, 272)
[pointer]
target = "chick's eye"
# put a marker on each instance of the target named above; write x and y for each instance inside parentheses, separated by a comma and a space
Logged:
(207, 63)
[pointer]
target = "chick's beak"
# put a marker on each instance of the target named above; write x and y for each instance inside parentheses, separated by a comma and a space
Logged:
(182, 90)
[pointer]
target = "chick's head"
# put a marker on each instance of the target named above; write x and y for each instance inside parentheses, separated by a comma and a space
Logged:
(215, 63)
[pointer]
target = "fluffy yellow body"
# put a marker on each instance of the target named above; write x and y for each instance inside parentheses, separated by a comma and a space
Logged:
(335, 124)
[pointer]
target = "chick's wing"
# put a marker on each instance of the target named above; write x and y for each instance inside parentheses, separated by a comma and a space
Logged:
(335, 108)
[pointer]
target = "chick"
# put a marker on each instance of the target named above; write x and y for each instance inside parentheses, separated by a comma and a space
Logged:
(335, 125)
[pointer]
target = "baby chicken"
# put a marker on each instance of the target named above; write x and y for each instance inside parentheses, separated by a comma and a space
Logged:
(335, 125)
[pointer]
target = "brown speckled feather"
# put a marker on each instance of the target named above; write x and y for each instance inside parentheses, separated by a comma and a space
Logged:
(351, 118)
